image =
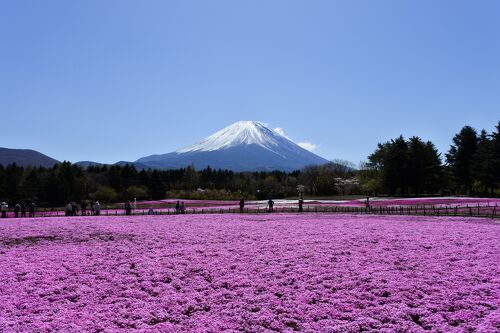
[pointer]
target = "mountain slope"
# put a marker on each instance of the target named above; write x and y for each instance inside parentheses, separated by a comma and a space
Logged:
(25, 157)
(242, 146)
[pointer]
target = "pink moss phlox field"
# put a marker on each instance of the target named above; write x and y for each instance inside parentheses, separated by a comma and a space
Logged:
(250, 273)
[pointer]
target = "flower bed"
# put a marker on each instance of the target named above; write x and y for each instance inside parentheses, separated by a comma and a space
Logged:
(253, 273)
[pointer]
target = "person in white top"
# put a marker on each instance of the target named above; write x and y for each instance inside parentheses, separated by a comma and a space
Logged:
(4, 208)
(97, 208)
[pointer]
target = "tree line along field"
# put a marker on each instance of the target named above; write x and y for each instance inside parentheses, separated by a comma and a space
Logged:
(250, 273)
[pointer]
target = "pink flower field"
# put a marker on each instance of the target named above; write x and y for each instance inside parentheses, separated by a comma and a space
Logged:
(250, 273)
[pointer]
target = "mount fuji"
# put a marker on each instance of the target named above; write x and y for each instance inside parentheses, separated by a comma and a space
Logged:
(242, 146)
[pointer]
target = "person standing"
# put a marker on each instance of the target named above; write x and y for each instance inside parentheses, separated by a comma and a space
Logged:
(177, 207)
(4, 207)
(97, 208)
(92, 207)
(301, 204)
(270, 203)
(17, 208)
(83, 206)
(23, 209)
(242, 205)
(32, 208)
(128, 208)
(74, 209)
(183, 208)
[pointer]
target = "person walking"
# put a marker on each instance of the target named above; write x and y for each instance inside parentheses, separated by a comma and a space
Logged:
(270, 203)
(23, 209)
(242, 205)
(17, 208)
(4, 207)
(97, 208)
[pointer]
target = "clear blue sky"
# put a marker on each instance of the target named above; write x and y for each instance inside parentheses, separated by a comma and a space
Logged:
(118, 80)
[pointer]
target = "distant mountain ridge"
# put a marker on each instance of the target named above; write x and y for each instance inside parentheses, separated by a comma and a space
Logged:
(26, 157)
(242, 146)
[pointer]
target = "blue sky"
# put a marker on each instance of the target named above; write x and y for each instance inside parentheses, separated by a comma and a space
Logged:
(118, 80)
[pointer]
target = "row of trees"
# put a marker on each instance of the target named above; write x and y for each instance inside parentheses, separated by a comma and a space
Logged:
(415, 167)
(66, 182)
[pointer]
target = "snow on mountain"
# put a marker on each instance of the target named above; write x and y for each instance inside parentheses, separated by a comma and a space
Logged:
(242, 146)
(239, 133)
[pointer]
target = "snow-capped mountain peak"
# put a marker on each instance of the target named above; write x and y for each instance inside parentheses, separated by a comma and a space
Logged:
(239, 133)
(242, 146)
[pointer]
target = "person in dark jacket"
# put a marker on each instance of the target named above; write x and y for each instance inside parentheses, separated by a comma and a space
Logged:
(270, 203)
(83, 207)
(17, 208)
(128, 208)
(74, 209)
(23, 209)
(32, 208)
(242, 205)
(301, 204)
(177, 207)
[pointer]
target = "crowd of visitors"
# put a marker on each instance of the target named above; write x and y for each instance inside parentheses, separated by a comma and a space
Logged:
(94, 208)
(72, 209)
(20, 209)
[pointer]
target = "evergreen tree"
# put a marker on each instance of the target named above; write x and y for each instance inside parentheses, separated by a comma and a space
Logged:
(424, 167)
(496, 156)
(483, 169)
(460, 157)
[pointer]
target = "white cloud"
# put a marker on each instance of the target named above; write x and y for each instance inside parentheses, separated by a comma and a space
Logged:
(306, 144)
(281, 131)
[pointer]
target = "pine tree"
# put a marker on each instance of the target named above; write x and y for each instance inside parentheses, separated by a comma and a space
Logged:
(460, 157)
(483, 169)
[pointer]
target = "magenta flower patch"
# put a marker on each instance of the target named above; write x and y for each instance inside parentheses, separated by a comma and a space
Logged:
(250, 273)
